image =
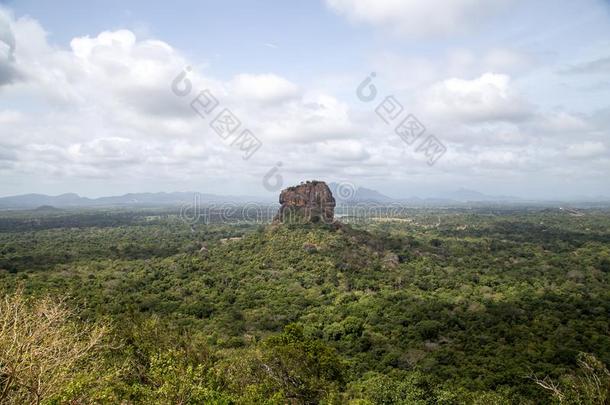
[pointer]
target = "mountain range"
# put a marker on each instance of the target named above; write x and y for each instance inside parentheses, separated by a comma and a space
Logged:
(72, 200)
(344, 193)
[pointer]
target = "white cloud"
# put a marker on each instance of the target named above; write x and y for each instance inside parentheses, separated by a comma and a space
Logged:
(598, 66)
(507, 60)
(7, 38)
(106, 111)
(266, 88)
(343, 150)
(586, 150)
(8, 72)
(10, 117)
(314, 118)
(103, 109)
(411, 72)
(417, 18)
(562, 121)
(489, 97)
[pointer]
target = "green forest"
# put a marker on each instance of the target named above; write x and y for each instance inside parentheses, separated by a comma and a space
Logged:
(440, 306)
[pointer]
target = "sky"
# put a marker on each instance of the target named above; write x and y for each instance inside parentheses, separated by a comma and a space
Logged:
(408, 97)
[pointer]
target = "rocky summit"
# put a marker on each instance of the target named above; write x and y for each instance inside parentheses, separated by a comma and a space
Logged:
(311, 201)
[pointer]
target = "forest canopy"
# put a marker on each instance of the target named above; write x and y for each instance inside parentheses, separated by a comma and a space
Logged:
(439, 307)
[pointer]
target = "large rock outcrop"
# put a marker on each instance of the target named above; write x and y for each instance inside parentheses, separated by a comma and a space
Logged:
(311, 201)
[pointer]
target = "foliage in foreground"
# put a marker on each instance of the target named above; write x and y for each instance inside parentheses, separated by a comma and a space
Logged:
(590, 384)
(43, 349)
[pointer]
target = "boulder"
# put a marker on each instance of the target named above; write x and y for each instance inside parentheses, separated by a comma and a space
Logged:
(309, 202)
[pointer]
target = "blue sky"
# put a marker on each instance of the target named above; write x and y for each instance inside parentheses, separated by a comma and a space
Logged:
(517, 93)
(291, 38)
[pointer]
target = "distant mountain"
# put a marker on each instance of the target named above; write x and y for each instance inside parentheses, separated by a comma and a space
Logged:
(170, 198)
(344, 193)
(348, 193)
(37, 200)
(71, 200)
(368, 194)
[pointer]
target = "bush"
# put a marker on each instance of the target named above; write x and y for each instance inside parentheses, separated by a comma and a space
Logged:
(44, 350)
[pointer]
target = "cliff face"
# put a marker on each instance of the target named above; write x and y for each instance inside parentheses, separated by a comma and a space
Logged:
(308, 202)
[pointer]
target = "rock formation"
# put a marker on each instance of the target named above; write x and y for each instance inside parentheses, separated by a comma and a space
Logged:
(311, 201)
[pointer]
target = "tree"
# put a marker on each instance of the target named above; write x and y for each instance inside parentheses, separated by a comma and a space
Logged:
(286, 368)
(590, 385)
(42, 348)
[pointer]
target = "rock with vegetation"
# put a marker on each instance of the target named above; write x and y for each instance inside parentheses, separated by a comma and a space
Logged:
(309, 202)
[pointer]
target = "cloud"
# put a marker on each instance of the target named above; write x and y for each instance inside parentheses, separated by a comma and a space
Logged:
(265, 88)
(413, 71)
(507, 60)
(343, 150)
(8, 71)
(101, 105)
(106, 151)
(489, 97)
(7, 38)
(10, 117)
(562, 122)
(597, 66)
(414, 18)
(316, 117)
(102, 109)
(586, 150)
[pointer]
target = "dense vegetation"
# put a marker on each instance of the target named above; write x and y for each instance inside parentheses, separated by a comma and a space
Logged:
(436, 307)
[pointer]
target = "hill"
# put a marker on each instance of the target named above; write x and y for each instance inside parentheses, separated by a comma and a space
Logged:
(47, 208)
